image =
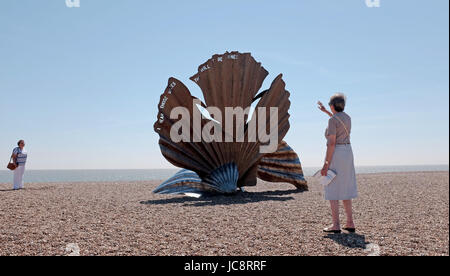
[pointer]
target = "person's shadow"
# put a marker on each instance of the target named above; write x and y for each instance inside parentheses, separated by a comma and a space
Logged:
(28, 189)
(350, 240)
(240, 198)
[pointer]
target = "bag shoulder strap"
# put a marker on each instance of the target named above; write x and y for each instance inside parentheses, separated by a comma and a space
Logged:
(346, 130)
(11, 158)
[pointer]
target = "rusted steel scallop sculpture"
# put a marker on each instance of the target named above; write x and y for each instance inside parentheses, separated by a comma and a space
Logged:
(232, 158)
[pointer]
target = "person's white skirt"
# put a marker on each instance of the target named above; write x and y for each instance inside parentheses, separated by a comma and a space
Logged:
(18, 177)
(343, 186)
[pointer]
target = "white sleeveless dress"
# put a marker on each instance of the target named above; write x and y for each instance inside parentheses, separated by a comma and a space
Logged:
(343, 186)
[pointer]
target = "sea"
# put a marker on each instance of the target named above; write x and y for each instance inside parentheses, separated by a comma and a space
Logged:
(64, 176)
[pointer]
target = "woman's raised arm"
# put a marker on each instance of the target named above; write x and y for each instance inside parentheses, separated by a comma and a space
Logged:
(323, 109)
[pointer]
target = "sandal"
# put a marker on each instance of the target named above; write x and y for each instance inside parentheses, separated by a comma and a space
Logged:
(328, 230)
(351, 230)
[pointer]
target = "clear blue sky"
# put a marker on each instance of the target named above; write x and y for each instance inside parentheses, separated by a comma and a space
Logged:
(81, 85)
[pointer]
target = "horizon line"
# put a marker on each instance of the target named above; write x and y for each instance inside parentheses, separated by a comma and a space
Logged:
(176, 168)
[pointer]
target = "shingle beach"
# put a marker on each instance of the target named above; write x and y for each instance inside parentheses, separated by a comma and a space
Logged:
(396, 214)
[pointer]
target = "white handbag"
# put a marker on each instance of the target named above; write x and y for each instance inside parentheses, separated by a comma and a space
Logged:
(325, 180)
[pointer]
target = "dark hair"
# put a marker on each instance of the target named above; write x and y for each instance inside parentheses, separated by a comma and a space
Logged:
(338, 102)
(20, 141)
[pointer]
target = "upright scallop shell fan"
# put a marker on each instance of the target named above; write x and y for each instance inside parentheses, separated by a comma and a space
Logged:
(232, 159)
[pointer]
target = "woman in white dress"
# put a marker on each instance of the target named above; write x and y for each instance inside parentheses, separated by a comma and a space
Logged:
(339, 158)
(19, 156)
